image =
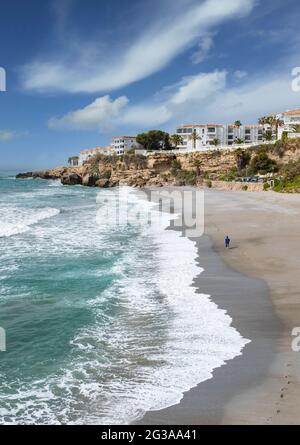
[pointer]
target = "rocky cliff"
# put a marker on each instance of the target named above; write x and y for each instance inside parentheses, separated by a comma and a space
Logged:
(159, 169)
(139, 171)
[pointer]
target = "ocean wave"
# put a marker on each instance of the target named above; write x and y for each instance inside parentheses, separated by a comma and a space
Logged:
(55, 183)
(15, 221)
(153, 336)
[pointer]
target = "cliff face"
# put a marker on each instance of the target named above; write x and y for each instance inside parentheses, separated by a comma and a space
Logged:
(139, 171)
(158, 169)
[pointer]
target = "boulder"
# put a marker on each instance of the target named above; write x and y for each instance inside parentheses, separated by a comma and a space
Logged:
(71, 179)
(103, 183)
(24, 175)
(90, 179)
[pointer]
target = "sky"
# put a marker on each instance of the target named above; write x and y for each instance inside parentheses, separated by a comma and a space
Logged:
(78, 72)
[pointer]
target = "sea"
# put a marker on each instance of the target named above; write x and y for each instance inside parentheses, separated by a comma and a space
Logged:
(101, 317)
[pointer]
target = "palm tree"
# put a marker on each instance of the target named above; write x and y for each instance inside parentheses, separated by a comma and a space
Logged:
(197, 164)
(238, 141)
(215, 142)
(263, 120)
(195, 137)
(296, 128)
(276, 123)
(238, 124)
(176, 140)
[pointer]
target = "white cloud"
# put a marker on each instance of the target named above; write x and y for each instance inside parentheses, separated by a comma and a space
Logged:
(98, 115)
(104, 113)
(88, 70)
(7, 135)
(257, 97)
(202, 98)
(197, 88)
(239, 75)
(205, 45)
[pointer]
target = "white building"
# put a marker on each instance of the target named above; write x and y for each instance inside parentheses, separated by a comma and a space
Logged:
(209, 135)
(289, 118)
(85, 155)
(122, 144)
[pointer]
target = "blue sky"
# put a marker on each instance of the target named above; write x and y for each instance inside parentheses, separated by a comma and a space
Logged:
(80, 71)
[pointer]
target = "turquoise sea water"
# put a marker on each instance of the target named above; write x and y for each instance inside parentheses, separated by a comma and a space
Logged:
(101, 321)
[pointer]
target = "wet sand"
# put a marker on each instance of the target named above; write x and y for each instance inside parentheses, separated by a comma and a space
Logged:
(257, 282)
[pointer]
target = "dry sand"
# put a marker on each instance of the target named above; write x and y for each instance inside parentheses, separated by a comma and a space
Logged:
(258, 282)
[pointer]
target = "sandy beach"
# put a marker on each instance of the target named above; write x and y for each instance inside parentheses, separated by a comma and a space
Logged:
(257, 283)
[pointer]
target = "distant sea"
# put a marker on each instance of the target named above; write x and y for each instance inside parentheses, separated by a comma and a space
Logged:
(101, 318)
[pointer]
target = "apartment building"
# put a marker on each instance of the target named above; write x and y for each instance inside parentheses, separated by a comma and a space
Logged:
(289, 118)
(122, 144)
(202, 136)
(85, 155)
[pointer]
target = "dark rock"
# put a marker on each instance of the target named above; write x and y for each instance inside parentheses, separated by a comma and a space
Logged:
(45, 174)
(90, 179)
(24, 175)
(71, 179)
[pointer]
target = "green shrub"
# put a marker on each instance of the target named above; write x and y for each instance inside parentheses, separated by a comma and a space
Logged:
(266, 186)
(285, 186)
(284, 136)
(245, 188)
(208, 184)
(106, 174)
(230, 175)
(278, 148)
(185, 176)
(261, 163)
(176, 165)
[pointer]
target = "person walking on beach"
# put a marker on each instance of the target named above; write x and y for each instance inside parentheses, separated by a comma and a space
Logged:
(227, 242)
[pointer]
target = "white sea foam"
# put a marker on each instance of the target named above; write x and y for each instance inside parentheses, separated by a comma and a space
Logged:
(14, 221)
(200, 336)
(158, 339)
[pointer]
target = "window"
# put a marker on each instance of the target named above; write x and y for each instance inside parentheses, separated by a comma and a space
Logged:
(211, 130)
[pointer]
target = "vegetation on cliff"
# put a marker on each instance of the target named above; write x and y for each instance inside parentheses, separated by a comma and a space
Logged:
(277, 164)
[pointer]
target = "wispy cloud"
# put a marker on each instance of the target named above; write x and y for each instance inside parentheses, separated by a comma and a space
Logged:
(104, 113)
(154, 49)
(239, 75)
(204, 47)
(201, 98)
(7, 135)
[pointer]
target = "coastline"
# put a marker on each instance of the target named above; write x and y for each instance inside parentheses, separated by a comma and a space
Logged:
(261, 386)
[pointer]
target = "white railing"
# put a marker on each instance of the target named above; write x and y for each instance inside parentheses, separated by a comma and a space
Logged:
(206, 149)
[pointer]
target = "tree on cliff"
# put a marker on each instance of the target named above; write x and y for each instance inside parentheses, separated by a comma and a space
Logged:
(261, 163)
(242, 158)
(154, 140)
(176, 140)
(238, 124)
(216, 142)
(195, 137)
